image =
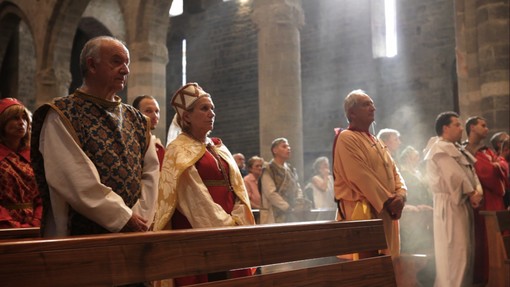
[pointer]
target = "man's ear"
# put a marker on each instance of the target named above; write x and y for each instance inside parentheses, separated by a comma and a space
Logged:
(445, 127)
(91, 64)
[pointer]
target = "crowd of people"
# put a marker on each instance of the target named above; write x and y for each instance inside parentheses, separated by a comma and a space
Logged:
(89, 164)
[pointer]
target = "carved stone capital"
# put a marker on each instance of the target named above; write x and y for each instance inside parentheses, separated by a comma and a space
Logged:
(148, 52)
(50, 76)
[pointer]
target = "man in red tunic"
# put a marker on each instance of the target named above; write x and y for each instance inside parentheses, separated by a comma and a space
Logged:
(492, 172)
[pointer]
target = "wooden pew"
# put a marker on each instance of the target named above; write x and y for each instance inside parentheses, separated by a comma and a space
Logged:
(497, 224)
(12, 233)
(116, 259)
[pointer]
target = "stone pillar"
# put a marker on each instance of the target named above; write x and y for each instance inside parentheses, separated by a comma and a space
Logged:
(482, 45)
(493, 59)
(279, 72)
(51, 83)
(147, 77)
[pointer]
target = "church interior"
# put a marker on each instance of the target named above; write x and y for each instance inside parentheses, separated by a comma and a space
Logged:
(276, 68)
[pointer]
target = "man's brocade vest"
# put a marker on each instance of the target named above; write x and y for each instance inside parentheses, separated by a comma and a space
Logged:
(115, 137)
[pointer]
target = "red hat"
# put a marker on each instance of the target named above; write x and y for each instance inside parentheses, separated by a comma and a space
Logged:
(7, 102)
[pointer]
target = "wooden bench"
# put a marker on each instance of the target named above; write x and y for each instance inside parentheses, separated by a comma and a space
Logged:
(116, 259)
(12, 233)
(308, 215)
(497, 224)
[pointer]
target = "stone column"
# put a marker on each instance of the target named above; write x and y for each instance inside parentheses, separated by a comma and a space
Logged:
(482, 45)
(493, 59)
(279, 72)
(51, 83)
(147, 77)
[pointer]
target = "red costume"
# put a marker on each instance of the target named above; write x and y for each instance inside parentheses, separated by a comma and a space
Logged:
(493, 174)
(213, 178)
(20, 203)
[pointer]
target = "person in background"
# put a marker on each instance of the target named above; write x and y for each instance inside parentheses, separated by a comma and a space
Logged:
(416, 229)
(321, 185)
(282, 197)
(492, 171)
(391, 138)
(367, 182)
(456, 190)
(96, 166)
(200, 184)
(241, 163)
(501, 145)
(148, 106)
(418, 193)
(251, 181)
(20, 202)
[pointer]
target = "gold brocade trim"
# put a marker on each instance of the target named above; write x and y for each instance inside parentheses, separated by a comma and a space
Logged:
(67, 123)
(19, 206)
(218, 182)
(103, 102)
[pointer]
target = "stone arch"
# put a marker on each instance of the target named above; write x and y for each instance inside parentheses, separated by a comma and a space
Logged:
(53, 76)
(17, 55)
(87, 29)
(146, 34)
(100, 18)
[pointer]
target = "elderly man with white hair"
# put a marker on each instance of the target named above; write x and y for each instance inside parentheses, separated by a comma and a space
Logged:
(367, 182)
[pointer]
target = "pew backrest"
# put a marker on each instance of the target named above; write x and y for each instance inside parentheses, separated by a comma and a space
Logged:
(497, 224)
(13, 233)
(117, 259)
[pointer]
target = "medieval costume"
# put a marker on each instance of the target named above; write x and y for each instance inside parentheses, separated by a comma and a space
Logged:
(200, 186)
(20, 203)
(492, 172)
(451, 179)
(103, 165)
(280, 193)
(365, 174)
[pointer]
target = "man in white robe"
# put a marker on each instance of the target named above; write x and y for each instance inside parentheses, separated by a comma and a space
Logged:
(456, 190)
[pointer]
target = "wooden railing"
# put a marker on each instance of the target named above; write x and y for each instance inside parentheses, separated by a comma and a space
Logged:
(13, 233)
(497, 224)
(116, 259)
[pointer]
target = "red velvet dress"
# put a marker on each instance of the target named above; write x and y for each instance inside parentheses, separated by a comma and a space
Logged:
(160, 151)
(494, 181)
(211, 174)
(20, 203)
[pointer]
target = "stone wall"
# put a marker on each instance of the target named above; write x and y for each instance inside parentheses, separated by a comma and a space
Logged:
(222, 58)
(409, 89)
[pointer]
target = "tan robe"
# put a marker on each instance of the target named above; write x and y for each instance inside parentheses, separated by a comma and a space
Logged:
(364, 169)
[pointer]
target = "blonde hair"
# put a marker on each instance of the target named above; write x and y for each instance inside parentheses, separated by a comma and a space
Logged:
(11, 113)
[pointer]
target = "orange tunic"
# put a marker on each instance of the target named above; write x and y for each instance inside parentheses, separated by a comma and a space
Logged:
(364, 170)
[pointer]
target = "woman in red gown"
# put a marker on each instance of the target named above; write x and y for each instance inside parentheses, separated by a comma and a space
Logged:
(20, 203)
(200, 183)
